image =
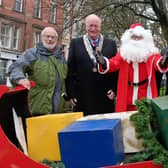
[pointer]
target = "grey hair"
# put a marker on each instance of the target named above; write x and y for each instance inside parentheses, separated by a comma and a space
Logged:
(49, 28)
(92, 16)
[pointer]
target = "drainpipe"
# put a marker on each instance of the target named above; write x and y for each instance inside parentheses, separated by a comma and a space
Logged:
(25, 27)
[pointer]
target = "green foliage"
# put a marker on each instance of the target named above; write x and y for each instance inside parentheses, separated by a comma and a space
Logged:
(162, 91)
(146, 123)
(53, 164)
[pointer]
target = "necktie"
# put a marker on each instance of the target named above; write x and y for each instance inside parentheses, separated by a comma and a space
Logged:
(94, 43)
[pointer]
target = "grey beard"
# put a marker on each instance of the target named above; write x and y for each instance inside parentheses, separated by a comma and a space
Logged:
(49, 46)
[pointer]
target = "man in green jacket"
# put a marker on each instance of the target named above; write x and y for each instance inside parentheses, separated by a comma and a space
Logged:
(46, 66)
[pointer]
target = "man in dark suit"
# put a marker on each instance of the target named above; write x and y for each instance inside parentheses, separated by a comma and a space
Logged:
(159, 76)
(89, 91)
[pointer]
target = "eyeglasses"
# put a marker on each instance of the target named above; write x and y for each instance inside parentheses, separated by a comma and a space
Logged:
(135, 37)
(50, 37)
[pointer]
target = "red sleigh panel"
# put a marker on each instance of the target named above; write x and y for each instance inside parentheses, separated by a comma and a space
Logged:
(11, 155)
(13, 99)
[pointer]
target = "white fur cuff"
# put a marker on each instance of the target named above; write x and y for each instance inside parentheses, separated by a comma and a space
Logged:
(100, 70)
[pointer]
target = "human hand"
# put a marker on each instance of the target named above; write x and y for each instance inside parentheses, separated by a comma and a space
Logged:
(100, 59)
(164, 61)
(73, 102)
(24, 82)
(64, 95)
(111, 94)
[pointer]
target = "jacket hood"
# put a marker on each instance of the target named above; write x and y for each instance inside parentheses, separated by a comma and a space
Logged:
(45, 52)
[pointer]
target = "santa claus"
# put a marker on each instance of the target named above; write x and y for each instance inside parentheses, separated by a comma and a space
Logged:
(137, 61)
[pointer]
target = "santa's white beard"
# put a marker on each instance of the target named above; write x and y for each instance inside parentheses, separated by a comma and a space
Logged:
(137, 50)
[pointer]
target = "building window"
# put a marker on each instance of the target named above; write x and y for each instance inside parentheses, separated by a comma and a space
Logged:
(37, 8)
(36, 38)
(3, 64)
(9, 36)
(16, 38)
(6, 33)
(18, 5)
(53, 11)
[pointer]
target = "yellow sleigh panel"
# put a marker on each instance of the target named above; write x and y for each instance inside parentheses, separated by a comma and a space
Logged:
(42, 134)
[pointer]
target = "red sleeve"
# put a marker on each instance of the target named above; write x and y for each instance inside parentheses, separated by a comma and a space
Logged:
(115, 62)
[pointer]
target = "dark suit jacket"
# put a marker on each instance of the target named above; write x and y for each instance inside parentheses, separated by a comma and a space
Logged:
(159, 75)
(90, 88)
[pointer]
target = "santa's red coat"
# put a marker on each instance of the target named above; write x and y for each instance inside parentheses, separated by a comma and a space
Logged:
(117, 63)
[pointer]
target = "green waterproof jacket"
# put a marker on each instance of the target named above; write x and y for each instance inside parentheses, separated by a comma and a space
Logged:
(44, 75)
(48, 71)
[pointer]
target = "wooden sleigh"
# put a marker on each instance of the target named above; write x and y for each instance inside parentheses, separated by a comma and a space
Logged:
(13, 150)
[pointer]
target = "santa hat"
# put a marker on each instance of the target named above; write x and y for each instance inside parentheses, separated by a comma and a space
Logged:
(132, 26)
(136, 29)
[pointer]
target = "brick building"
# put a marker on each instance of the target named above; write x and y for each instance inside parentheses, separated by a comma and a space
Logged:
(21, 22)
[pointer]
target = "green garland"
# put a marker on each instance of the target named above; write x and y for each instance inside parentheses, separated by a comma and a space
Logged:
(146, 126)
(53, 164)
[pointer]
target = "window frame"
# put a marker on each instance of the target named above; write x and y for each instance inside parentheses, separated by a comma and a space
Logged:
(37, 9)
(16, 47)
(1, 2)
(37, 37)
(8, 36)
(20, 3)
(53, 14)
(3, 65)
